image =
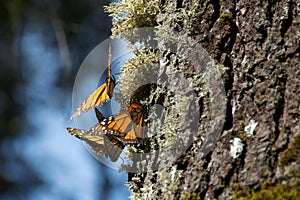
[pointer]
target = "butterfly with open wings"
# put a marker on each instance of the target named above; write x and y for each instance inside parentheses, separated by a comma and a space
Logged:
(125, 127)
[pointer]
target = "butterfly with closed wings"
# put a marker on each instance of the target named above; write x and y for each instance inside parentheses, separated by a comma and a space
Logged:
(100, 95)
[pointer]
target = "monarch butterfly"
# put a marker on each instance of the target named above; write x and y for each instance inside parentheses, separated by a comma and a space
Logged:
(119, 126)
(104, 145)
(100, 95)
(124, 127)
(113, 146)
(138, 114)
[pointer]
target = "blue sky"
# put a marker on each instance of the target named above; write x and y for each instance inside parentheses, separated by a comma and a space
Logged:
(61, 160)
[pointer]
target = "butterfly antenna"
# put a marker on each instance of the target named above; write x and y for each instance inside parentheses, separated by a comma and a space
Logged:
(108, 62)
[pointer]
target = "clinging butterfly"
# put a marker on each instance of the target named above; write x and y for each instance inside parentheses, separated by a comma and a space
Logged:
(113, 146)
(107, 137)
(100, 95)
(100, 144)
(124, 127)
(120, 127)
(105, 145)
(138, 115)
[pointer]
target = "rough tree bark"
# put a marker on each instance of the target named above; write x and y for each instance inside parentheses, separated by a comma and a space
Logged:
(258, 42)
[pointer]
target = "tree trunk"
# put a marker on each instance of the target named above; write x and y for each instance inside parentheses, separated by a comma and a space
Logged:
(258, 42)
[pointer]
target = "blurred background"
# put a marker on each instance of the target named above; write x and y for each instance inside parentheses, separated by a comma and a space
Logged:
(42, 45)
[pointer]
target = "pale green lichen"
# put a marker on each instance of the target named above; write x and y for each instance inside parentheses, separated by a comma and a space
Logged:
(167, 179)
(249, 129)
(180, 19)
(170, 181)
(129, 14)
(138, 71)
(141, 70)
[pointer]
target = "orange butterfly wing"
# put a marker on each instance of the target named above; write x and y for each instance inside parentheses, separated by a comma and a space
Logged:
(126, 128)
(99, 96)
(137, 115)
(120, 127)
(113, 146)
